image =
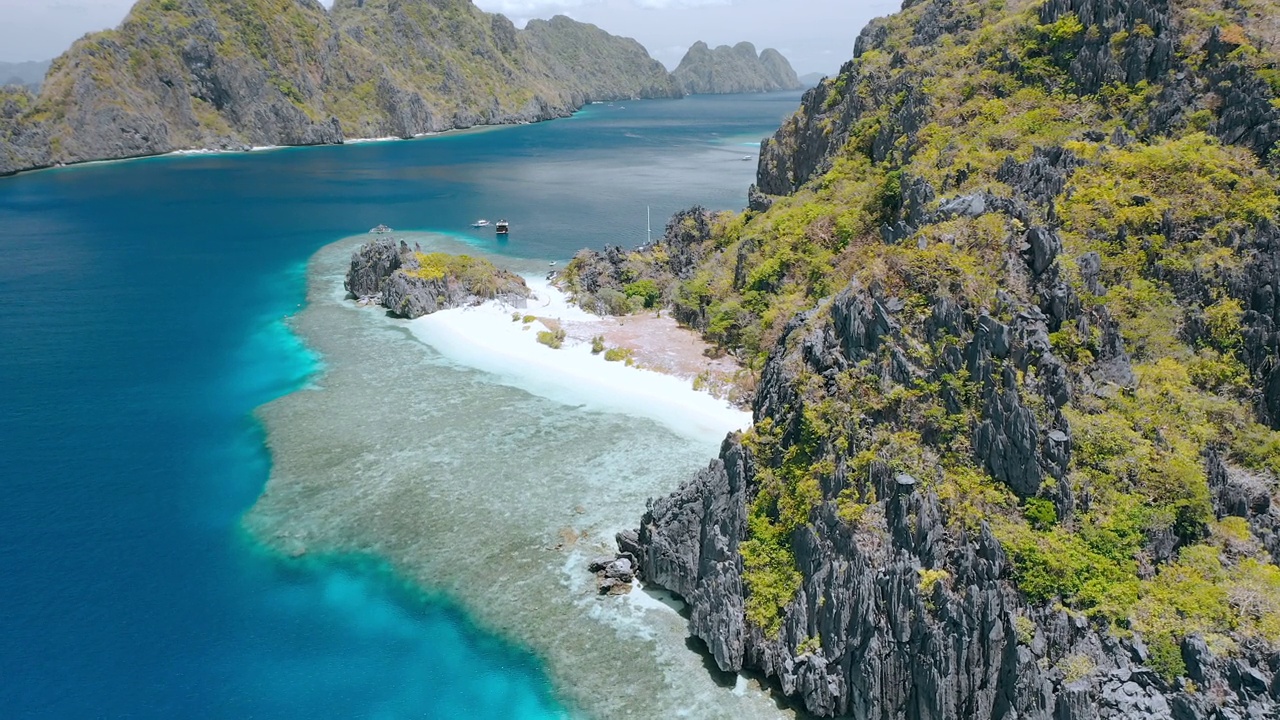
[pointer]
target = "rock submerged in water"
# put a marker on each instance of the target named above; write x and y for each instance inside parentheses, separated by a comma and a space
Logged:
(614, 575)
(410, 283)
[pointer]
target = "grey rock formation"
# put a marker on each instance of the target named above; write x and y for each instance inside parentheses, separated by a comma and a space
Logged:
(1260, 291)
(902, 614)
(736, 69)
(195, 74)
(961, 644)
(387, 273)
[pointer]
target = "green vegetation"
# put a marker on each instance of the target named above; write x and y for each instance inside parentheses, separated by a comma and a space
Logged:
(1076, 667)
(479, 276)
(551, 338)
(1025, 628)
(1169, 215)
(811, 646)
(354, 64)
(597, 345)
(646, 291)
(623, 355)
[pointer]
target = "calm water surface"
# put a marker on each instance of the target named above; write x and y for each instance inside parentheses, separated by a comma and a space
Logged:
(143, 317)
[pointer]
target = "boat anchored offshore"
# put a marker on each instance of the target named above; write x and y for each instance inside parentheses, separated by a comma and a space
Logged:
(381, 230)
(480, 223)
(504, 227)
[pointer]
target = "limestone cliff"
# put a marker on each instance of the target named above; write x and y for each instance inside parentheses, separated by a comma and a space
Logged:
(230, 74)
(734, 69)
(598, 65)
(410, 283)
(1010, 283)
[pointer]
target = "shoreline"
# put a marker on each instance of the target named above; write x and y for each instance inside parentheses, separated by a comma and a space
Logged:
(198, 152)
(502, 340)
(477, 488)
(188, 152)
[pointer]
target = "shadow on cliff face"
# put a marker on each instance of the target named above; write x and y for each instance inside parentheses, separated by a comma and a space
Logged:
(729, 680)
(721, 678)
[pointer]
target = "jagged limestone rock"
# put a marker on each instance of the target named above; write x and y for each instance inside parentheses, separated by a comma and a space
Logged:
(994, 281)
(410, 284)
(737, 69)
(218, 74)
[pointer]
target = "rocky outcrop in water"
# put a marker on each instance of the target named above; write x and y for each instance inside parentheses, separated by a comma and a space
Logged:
(614, 575)
(194, 74)
(410, 283)
(737, 69)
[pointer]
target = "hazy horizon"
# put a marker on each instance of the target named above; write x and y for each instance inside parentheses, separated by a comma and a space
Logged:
(815, 35)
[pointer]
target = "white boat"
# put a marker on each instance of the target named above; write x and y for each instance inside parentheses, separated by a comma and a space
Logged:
(746, 157)
(504, 228)
(381, 230)
(480, 223)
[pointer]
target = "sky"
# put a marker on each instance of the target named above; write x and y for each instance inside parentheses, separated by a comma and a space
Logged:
(815, 35)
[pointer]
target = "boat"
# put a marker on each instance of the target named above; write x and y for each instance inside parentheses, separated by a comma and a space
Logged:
(746, 157)
(503, 227)
(480, 223)
(381, 230)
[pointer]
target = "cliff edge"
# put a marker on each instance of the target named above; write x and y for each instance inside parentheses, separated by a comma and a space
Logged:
(410, 283)
(1010, 285)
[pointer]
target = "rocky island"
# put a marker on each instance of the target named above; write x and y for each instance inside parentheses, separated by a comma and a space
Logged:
(196, 74)
(410, 283)
(234, 75)
(737, 69)
(1009, 286)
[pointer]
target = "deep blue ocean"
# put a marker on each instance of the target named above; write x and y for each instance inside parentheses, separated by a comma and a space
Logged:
(143, 317)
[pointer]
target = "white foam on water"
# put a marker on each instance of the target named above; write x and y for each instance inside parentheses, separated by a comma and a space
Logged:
(487, 338)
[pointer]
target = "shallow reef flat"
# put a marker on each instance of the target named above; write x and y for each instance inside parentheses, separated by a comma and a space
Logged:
(490, 495)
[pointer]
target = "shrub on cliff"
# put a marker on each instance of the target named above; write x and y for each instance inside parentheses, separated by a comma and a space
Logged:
(1040, 289)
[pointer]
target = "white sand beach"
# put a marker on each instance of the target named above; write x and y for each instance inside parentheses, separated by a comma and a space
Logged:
(487, 338)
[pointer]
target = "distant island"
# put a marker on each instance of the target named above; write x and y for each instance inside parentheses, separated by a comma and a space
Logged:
(27, 74)
(222, 75)
(736, 69)
(191, 74)
(814, 79)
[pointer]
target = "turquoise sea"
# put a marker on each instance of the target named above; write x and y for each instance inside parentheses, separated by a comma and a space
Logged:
(147, 308)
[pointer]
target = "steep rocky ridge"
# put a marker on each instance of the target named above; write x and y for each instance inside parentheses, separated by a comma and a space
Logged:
(410, 283)
(1009, 282)
(736, 69)
(220, 74)
(598, 65)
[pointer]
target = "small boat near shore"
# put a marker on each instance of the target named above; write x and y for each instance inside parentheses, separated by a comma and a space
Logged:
(480, 223)
(503, 227)
(380, 230)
